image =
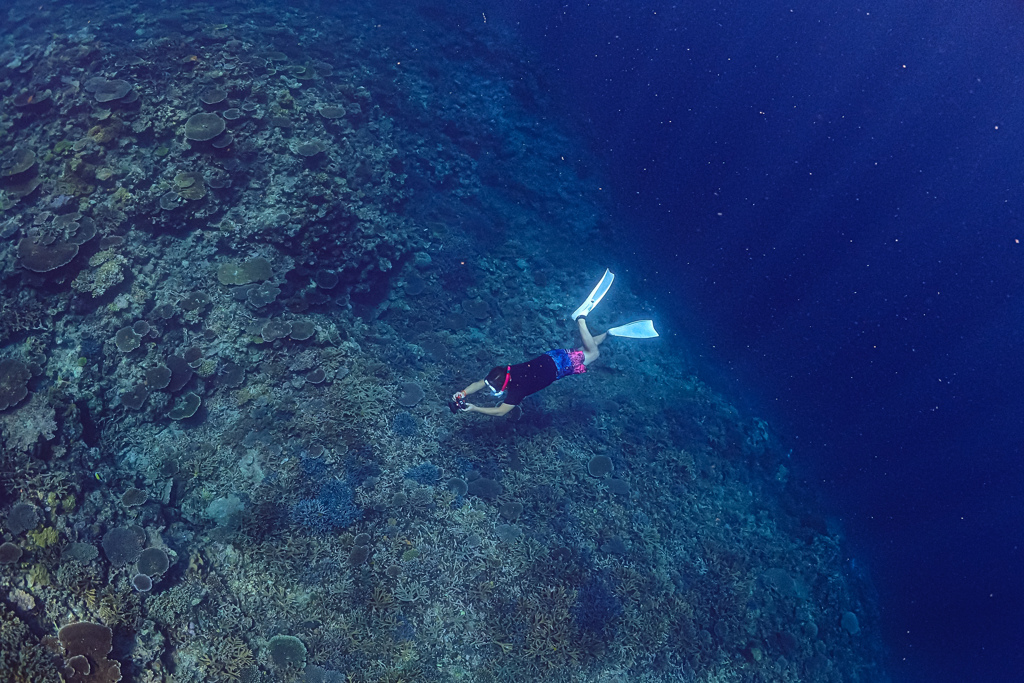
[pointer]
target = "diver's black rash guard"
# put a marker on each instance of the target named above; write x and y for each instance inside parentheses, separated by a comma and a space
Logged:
(529, 378)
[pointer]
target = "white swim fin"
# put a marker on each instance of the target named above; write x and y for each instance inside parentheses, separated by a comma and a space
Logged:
(595, 296)
(641, 329)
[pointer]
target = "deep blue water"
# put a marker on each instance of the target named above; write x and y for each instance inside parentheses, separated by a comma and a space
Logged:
(823, 203)
(826, 201)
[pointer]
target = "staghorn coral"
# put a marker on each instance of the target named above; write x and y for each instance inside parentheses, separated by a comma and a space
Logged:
(119, 606)
(226, 659)
(550, 642)
(425, 473)
(173, 605)
(81, 580)
(332, 510)
(405, 424)
(23, 658)
(20, 312)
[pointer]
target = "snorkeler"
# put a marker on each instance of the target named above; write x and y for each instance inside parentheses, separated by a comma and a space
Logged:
(515, 382)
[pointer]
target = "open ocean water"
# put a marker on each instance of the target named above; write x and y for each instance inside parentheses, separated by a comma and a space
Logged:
(249, 251)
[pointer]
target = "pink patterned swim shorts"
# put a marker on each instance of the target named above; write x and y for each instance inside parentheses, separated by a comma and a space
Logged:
(568, 362)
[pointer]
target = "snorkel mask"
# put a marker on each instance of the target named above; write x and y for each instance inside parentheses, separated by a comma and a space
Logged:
(500, 392)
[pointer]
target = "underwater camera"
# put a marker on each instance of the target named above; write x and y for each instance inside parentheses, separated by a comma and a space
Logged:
(457, 404)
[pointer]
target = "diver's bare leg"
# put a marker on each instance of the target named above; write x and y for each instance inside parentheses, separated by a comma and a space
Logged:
(590, 343)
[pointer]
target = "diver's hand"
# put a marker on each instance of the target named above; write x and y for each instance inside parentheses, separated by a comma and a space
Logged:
(458, 396)
(468, 408)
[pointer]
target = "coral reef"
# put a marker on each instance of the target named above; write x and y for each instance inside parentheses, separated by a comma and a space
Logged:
(23, 657)
(22, 429)
(14, 376)
(85, 647)
(247, 251)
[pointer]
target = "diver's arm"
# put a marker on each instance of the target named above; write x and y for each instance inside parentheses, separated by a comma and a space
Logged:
(497, 411)
(473, 388)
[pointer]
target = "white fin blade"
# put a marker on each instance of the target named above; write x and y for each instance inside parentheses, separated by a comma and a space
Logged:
(595, 296)
(640, 329)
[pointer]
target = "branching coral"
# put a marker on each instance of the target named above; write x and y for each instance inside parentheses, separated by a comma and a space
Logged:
(333, 509)
(227, 659)
(23, 658)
